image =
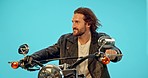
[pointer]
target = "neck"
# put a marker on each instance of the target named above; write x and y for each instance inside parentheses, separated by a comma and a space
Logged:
(83, 39)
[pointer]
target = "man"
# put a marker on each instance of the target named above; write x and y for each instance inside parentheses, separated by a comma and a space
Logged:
(82, 42)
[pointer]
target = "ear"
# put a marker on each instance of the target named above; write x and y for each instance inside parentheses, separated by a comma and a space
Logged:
(87, 25)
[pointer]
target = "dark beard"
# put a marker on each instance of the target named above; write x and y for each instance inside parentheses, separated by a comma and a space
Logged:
(79, 33)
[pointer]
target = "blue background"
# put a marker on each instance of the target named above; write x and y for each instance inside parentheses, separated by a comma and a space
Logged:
(40, 23)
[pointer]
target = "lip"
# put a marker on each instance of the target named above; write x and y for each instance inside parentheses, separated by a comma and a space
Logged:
(74, 29)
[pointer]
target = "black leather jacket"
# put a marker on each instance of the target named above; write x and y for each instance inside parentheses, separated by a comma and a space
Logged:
(67, 46)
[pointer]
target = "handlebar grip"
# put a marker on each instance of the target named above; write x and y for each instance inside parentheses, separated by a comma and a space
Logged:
(17, 64)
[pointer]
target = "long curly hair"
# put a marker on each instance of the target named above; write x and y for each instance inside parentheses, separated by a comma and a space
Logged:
(89, 17)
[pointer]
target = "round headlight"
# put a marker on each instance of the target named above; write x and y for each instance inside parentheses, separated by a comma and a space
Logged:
(50, 71)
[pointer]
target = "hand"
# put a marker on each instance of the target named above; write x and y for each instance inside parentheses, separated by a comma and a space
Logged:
(111, 54)
(26, 62)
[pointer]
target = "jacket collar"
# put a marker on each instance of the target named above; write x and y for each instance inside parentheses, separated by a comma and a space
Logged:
(74, 39)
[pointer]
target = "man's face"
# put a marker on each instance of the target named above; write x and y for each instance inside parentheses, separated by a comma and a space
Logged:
(79, 25)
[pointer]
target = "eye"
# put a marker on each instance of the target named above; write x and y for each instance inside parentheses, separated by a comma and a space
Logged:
(76, 21)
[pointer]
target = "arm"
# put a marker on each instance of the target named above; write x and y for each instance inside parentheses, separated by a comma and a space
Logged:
(114, 50)
(49, 52)
(109, 48)
(44, 54)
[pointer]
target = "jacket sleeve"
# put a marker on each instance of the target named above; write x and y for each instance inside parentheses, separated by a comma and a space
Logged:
(114, 47)
(49, 52)
(118, 58)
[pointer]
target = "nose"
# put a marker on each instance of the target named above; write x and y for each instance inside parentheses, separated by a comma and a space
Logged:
(73, 25)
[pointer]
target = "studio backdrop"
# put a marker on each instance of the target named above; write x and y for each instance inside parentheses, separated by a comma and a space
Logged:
(40, 23)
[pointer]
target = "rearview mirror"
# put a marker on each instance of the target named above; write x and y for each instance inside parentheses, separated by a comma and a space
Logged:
(23, 49)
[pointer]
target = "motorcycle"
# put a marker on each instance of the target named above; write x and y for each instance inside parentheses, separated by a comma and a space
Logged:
(64, 70)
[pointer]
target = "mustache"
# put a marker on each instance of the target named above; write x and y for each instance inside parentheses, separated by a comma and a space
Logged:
(75, 28)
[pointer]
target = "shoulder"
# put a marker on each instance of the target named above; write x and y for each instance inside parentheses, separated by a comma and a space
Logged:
(66, 35)
(99, 34)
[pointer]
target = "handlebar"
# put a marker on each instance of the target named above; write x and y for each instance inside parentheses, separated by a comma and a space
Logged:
(17, 64)
(100, 56)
